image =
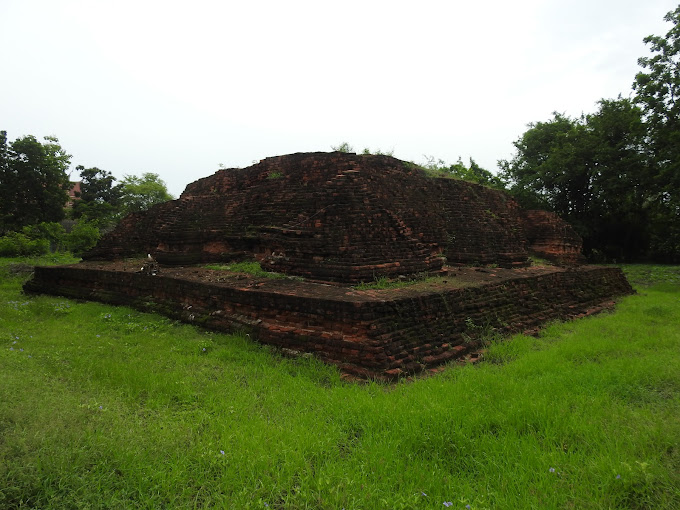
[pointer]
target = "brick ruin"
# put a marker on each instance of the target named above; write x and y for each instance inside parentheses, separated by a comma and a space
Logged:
(337, 219)
(340, 217)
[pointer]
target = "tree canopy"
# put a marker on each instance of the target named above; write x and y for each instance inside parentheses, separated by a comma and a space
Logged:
(591, 171)
(99, 198)
(33, 181)
(141, 193)
(34, 186)
(657, 90)
(614, 174)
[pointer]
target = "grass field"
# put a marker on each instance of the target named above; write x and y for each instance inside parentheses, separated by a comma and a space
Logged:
(106, 407)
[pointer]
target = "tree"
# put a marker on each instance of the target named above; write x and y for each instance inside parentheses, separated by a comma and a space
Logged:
(99, 197)
(33, 181)
(97, 185)
(552, 166)
(83, 237)
(621, 194)
(593, 172)
(658, 93)
(141, 193)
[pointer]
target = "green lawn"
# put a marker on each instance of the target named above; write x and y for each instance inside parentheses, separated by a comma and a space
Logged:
(105, 407)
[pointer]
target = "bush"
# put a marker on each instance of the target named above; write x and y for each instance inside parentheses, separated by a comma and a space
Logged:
(83, 237)
(53, 233)
(18, 244)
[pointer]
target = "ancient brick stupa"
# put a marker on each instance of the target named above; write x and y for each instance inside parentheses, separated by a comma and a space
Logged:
(340, 219)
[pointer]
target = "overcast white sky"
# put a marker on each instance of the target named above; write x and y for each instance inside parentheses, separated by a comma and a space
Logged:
(178, 88)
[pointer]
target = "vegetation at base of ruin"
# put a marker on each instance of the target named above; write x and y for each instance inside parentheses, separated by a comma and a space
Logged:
(481, 334)
(247, 267)
(45, 238)
(383, 282)
(538, 261)
(12, 266)
(424, 279)
(652, 274)
(107, 407)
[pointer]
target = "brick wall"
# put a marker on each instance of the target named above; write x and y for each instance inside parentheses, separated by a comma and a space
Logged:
(380, 334)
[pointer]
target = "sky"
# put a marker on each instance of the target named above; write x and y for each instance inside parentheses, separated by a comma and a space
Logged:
(180, 88)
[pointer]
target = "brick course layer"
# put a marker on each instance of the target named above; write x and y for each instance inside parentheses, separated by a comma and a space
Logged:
(367, 333)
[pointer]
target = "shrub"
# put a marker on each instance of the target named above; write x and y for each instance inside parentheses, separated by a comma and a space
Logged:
(83, 237)
(18, 244)
(343, 147)
(52, 232)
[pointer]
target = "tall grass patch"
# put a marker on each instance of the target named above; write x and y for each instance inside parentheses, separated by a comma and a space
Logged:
(104, 406)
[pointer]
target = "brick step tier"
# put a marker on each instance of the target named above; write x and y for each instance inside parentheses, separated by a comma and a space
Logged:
(381, 334)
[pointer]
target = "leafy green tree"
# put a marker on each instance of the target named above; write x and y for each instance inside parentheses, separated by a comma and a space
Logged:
(141, 193)
(657, 90)
(99, 196)
(619, 214)
(53, 233)
(592, 171)
(97, 185)
(548, 169)
(18, 244)
(33, 181)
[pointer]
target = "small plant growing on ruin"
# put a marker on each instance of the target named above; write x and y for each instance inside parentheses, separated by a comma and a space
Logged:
(480, 334)
(343, 147)
(377, 152)
(538, 261)
(248, 267)
(252, 268)
(383, 282)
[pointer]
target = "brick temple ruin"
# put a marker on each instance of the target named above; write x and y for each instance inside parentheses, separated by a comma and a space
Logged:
(329, 221)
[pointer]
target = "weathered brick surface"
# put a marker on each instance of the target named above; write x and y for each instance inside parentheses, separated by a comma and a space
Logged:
(551, 237)
(328, 216)
(366, 333)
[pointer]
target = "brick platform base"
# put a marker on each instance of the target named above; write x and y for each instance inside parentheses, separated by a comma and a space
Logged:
(367, 333)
